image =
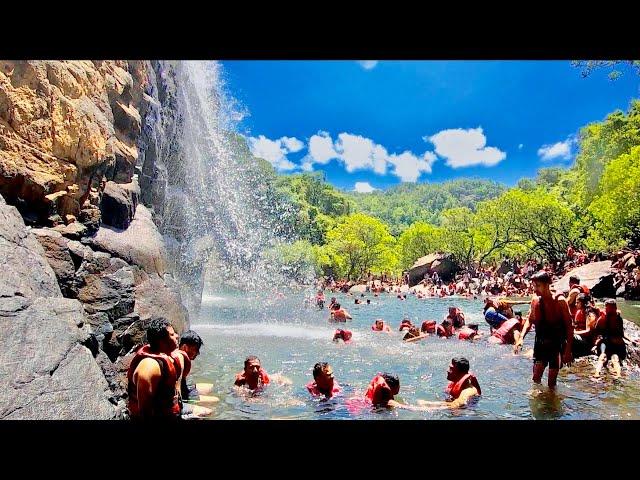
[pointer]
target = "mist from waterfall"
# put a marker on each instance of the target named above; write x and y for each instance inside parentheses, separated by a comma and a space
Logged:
(219, 200)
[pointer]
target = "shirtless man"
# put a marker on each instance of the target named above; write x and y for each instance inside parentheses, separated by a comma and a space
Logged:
(554, 330)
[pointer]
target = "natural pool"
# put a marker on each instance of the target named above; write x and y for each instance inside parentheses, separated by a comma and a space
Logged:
(290, 338)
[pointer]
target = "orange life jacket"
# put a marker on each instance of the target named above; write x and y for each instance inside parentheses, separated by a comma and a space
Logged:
(166, 401)
(429, 326)
(339, 315)
(466, 333)
(264, 378)
(378, 391)
(505, 332)
(455, 388)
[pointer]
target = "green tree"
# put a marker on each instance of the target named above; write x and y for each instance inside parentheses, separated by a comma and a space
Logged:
(418, 240)
(360, 243)
(617, 209)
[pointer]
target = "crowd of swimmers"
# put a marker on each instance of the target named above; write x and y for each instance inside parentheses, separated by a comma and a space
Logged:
(566, 326)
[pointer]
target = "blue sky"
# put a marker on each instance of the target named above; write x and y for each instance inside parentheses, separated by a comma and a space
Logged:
(377, 124)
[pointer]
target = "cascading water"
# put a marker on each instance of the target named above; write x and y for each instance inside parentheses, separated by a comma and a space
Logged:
(220, 202)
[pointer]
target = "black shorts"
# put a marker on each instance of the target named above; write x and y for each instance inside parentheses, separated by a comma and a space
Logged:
(548, 351)
(580, 347)
(616, 349)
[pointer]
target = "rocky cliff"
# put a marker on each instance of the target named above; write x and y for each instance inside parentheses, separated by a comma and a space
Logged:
(87, 150)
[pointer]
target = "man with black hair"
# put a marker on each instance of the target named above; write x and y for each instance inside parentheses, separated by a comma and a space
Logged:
(612, 337)
(154, 373)
(190, 344)
(323, 381)
(463, 386)
(554, 330)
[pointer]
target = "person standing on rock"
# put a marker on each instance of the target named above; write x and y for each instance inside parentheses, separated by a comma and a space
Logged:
(554, 330)
(154, 374)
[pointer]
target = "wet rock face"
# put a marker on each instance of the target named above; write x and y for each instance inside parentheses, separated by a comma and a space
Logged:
(119, 202)
(46, 372)
(63, 126)
(25, 271)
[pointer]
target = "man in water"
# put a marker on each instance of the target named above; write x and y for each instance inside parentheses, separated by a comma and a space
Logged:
(253, 376)
(154, 373)
(323, 381)
(339, 314)
(463, 386)
(575, 289)
(190, 344)
(456, 317)
(380, 326)
(344, 335)
(611, 330)
(554, 330)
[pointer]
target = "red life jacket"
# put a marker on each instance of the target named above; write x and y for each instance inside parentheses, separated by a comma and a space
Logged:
(580, 320)
(466, 333)
(166, 402)
(574, 308)
(378, 391)
(444, 332)
(505, 332)
(264, 378)
(455, 388)
(343, 334)
(429, 326)
(373, 327)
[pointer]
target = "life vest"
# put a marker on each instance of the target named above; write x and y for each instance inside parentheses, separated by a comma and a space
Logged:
(444, 332)
(574, 308)
(378, 391)
(166, 402)
(373, 327)
(343, 334)
(313, 389)
(429, 326)
(455, 388)
(405, 324)
(339, 315)
(466, 333)
(504, 333)
(580, 320)
(264, 378)
(614, 327)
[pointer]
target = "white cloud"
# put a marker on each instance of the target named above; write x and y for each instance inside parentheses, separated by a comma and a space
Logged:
(292, 144)
(275, 151)
(363, 187)
(356, 152)
(368, 64)
(408, 167)
(520, 146)
(321, 148)
(557, 150)
(465, 148)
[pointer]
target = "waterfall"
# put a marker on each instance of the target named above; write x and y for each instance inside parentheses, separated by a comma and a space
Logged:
(219, 201)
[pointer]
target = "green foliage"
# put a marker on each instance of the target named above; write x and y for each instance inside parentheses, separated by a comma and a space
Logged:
(360, 243)
(418, 240)
(405, 204)
(617, 208)
(316, 204)
(588, 66)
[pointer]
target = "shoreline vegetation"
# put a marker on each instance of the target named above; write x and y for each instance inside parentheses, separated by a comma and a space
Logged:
(591, 208)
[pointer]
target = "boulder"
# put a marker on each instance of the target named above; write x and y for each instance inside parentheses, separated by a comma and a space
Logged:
(441, 263)
(74, 230)
(598, 276)
(45, 371)
(140, 244)
(25, 270)
(108, 291)
(58, 255)
(119, 202)
(158, 297)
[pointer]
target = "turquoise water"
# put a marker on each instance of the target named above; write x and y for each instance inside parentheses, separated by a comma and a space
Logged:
(290, 338)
